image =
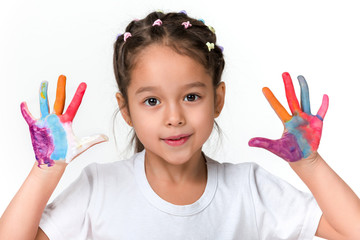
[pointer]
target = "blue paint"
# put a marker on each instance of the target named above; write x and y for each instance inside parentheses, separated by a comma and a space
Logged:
(59, 137)
(44, 103)
(292, 127)
(305, 99)
(319, 117)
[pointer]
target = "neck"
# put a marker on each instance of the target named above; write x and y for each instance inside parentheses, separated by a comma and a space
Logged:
(191, 170)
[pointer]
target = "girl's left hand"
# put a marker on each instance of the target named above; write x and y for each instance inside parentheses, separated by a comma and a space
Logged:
(302, 133)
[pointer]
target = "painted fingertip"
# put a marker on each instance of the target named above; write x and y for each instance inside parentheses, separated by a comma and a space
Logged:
(62, 77)
(251, 142)
(267, 92)
(82, 86)
(43, 89)
(26, 114)
(285, 74)
(254, 142)
(324, 106)
(300, 76)
(106, 138)
(23, 108)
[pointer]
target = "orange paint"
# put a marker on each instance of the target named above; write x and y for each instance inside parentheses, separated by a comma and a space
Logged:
(276, 105)
(60, 95)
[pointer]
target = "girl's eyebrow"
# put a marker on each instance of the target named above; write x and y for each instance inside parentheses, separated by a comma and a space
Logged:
(187, 86)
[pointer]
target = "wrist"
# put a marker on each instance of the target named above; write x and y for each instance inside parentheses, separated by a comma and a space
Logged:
(311, 162)
(44, 173)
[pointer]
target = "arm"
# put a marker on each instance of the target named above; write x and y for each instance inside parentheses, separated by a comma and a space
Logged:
(298, 146)
(55, 145)
(21, 218)
(339, 204)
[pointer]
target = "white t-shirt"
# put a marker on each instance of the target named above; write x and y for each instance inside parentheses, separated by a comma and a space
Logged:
(240, 201)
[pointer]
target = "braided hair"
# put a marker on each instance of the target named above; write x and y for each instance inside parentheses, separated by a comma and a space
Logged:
(191, 41)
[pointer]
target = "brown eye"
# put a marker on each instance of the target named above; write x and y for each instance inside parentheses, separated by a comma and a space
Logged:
(152, 102)
(191, 97)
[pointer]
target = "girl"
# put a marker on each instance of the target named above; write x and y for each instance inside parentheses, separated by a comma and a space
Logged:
(168, 69)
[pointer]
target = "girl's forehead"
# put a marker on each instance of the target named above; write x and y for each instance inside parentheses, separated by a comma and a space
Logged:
(160, 64)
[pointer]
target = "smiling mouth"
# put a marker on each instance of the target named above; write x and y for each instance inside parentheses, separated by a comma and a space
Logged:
(177, 140)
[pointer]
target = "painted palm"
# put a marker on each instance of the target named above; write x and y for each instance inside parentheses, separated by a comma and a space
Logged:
(52, 135)
(302, 131)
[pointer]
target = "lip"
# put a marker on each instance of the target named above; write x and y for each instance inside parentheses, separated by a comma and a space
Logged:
(177, 140)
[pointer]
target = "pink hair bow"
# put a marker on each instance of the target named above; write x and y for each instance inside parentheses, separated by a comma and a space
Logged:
(157, 22)
(186, 24)
(126, 36)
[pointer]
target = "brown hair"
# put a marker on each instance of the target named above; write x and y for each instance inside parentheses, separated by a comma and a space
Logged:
(187, 41)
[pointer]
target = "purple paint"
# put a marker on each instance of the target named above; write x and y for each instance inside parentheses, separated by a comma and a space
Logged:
(286, 147)
(43, 144)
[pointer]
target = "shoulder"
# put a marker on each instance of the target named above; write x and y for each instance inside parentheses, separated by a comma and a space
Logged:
(115, 171)
(231, 170)
(246, 175)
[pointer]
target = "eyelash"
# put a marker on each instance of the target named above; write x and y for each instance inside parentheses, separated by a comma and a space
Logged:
(147, 102)
(197, 97)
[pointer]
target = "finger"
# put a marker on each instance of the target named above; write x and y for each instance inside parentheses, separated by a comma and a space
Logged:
(324, 107)
(276, 105)
(75, 104)
(286, 147)
(60, 95)
(44, 102)
(290, 93)
(86, 143)
(261, 142)
(305, 99)
(26, 114)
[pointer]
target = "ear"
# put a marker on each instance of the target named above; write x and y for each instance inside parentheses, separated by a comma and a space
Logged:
(219, 98)
(123, 108)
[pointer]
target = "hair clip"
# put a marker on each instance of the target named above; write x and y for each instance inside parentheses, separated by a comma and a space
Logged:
(210, 46)
(126, 36)
(186, 24)
(183, 12)
(221, 48)
(211, 29)
(201, 20)
(157, 22)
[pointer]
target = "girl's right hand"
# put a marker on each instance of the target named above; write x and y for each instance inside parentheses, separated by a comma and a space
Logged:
(52, 136)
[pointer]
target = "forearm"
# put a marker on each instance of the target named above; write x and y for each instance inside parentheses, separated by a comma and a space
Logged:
(339, 204)
(21, 218)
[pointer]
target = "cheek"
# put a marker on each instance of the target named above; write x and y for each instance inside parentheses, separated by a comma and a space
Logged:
(146, 125)
(203, 119)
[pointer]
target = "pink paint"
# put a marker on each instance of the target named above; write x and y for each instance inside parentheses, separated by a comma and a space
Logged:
(311, 131)
(324, 107)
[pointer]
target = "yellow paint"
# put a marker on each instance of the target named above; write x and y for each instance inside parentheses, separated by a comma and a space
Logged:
(43, 90)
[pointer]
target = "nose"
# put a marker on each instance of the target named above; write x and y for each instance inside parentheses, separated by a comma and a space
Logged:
(174, 116)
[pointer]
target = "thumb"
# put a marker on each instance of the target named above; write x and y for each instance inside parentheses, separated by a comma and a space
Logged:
(285, 147)
(87, 142)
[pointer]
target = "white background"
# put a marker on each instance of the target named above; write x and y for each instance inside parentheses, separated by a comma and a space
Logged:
(39, 40)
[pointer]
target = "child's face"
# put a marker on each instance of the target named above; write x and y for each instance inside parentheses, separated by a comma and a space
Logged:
(172, 104)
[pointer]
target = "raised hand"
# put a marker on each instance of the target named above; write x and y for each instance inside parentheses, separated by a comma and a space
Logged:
(52, 135)
(302, 133)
